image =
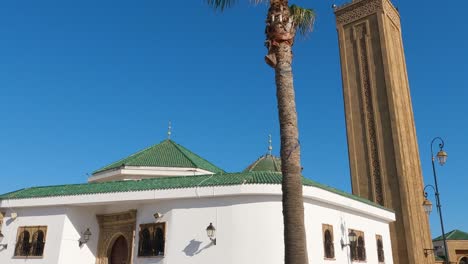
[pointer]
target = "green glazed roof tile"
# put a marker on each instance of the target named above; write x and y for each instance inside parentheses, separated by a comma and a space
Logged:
(453, 235)
(165, 154)
(164, 183)
(265, 163)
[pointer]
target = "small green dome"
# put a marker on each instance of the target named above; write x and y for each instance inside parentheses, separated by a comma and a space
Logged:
(265, 163)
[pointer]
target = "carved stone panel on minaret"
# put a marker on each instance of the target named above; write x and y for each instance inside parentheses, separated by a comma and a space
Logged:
(382, 143)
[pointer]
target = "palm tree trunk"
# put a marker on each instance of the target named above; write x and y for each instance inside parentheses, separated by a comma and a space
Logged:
(280, 37)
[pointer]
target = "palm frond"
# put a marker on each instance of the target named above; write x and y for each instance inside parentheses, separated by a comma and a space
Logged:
(303, 19)
(221, 4)
(256, 2)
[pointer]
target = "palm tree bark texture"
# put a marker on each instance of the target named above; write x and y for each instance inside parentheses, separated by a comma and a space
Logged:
(281, 25)
(280, 36)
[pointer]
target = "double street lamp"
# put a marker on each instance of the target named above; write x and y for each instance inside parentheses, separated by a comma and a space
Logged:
(441, 158)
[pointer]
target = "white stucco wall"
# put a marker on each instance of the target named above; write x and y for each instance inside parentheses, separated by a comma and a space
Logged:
(53, 218)
(77, 220)
(342, 221)
(248, 221)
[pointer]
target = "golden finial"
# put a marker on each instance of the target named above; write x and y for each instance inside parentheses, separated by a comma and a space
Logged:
(169, 131)
(270, 148)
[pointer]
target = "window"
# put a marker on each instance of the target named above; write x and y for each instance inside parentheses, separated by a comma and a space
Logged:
(30, 241)
(38, 243)
(380, 251)
(358, 248)
(2, 215)
(328, 246)
(152, 240)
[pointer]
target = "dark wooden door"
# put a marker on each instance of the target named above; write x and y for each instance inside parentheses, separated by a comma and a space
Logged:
(119, 252)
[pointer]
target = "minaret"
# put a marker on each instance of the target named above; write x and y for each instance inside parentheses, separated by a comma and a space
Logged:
(382, 144)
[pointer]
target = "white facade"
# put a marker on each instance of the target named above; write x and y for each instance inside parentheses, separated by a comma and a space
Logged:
(144, 172)
(248, 220)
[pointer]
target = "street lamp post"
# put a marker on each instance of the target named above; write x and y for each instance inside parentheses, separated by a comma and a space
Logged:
(442, 158)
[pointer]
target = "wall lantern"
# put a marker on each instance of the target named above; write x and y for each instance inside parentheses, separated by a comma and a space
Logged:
(211, 232)
(352, 239)
(2, 246)
(157, 215)
(428, 251)
(85, 238)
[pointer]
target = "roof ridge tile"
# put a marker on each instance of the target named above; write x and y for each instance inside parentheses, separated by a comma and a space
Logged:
(170, 182)
(167, 153)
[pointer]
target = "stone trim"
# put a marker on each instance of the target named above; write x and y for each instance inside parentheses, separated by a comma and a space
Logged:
(329, 228)
(112, 226)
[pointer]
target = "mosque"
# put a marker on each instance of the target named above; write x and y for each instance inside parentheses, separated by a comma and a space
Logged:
(167, 204)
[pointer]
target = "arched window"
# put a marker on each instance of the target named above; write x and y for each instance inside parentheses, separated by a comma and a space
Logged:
(380, 250)
(22, 244)
(144, 248)
(38, 243)
(151, 241)
(358, 248)
(27, 245)
(159, 239)
(464, 260)
(328, 244)
(361, 249)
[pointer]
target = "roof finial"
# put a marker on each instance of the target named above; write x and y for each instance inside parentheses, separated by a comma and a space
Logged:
(169, 131)
(269, 145)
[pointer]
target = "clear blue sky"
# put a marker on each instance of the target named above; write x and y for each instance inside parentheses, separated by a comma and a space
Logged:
(84, 83)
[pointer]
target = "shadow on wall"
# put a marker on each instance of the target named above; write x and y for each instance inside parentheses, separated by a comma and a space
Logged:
(193, 248)
(9, 221)
(81, 219)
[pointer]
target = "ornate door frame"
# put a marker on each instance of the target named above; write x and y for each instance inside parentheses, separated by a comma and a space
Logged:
(111, 227)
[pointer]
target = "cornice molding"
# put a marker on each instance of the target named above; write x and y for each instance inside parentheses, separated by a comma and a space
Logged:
(356, 10)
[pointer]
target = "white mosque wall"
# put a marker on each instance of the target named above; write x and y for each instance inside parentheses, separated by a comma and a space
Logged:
(53, 218)
(343, 220)
(77, 220)
(249, 228)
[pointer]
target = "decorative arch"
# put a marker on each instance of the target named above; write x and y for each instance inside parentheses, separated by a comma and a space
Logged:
(159, 239)
(380, 250)
(361, 249)
(463, 260)
(38, 242)
(144, 246)
(118, 251)
(23, 244)
(112, 226)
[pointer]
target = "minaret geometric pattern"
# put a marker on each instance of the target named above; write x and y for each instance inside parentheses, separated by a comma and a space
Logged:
(382, 144)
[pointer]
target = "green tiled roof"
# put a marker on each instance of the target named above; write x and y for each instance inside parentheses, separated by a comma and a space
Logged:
(265, 163)
(164, 183)
(165, 154)
(453, 235)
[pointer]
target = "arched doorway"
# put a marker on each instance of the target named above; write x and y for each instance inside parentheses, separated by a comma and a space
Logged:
(463, 260)
(112, 228)
(119, 251)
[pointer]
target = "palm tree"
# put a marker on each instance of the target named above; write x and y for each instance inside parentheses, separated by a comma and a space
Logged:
(281, 25)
